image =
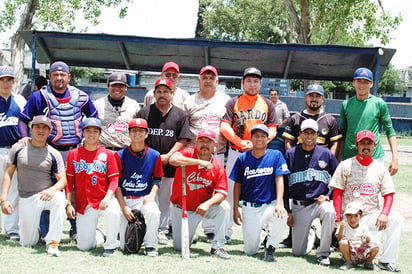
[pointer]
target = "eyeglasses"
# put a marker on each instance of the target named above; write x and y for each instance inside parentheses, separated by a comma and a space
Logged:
(171, 75)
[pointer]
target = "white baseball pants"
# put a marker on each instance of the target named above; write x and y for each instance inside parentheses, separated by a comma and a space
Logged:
(87, 224)
(30, 210)
(163, 200)
(253, 219)
(11, 222)
(218, 213)
(394, 228)
(151, 215)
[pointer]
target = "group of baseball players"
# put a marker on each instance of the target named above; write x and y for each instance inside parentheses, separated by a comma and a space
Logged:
(62, 153)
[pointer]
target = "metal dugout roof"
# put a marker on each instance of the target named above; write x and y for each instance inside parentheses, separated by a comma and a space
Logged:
(288, 61)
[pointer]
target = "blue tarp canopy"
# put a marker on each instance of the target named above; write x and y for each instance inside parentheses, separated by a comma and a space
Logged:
(288, 61)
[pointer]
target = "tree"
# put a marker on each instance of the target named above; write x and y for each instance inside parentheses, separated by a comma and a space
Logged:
(391, 82)
(348, 22)
(24, 15)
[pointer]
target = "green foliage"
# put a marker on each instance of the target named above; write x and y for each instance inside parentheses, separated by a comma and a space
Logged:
(391, 83)
(348, 22)
(83, 72)
(240, 20)
(58, 14)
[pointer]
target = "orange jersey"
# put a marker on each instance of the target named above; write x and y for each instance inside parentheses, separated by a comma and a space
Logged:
(245, 111)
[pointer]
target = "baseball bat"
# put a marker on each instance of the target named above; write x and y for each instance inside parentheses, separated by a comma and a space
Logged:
(185, 224)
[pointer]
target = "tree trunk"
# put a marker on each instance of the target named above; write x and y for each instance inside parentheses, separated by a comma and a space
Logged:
(294, 20)
(199, 25)
(17, 42)
(305, 17)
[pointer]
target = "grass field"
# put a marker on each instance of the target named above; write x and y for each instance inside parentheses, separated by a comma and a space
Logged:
(16, 259)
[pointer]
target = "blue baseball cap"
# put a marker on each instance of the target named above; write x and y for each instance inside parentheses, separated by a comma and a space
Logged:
(261, 127)
(315, 88)
(92, 122)
(6, 71)
(363, 73)
(59, 66)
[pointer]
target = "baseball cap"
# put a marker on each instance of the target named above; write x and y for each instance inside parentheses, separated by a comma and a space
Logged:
(6, 71)
(163, 82)
(207, 133)
(363, 73)
(92, 122)
(353, 208)
(252, 71)
(138, 122)
(315, 88)
(209, 68)
(365, 134)
(171, 65)
(309, 123)
(261, 127)
(40, 119)
(59, 66)
(117, 78)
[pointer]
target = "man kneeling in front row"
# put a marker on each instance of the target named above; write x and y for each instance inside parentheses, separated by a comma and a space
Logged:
(206, 188)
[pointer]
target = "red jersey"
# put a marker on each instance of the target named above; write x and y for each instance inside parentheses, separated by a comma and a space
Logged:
(201, 185)
(92, 173)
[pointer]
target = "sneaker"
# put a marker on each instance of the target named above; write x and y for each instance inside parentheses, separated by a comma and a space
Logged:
(195, 238)
(371, 266)
(169, 233)
(73, 236)
(209, 237)
(389, 267)
(53, 249)
(286, 243)
(109, 252)
(228, 240)
(346, 266)
(323, 260)
(151, 252)
(269, 254)
(161, 238)
(14, 236)
(220, 253)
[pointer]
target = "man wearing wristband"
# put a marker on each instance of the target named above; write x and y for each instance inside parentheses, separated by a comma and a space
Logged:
(361, 179)
(39, 165)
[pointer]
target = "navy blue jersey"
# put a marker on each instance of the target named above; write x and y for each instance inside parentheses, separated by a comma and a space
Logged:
(138, 171)
(258, 175)
(9, 119)
(310, 172)
(165, 131)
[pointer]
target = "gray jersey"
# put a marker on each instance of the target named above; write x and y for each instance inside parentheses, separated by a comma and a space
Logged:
(36, 167)
(179, 97)
(115, 122)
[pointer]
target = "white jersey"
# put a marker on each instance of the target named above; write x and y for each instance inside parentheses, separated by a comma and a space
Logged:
(362, 183)
(179, 97)
(115, 122)
(207, 113)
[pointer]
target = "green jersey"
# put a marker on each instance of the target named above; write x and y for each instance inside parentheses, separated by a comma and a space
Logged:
(357, 115)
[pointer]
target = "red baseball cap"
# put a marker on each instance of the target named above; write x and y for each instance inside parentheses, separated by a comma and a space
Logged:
(209, 68)
(171, 65)
(365, 134)
(207, 133)
(138, 122)
(163, 82)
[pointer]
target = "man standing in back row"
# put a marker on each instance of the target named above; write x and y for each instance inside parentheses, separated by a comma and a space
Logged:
(115, 112)
(10, 107)
(365, 111)
(242, 113)
(170, 71)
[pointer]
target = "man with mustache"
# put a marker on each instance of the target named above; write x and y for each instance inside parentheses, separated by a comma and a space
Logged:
(328, 127)
(168, 132)
(361, 179)
(206, 188)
